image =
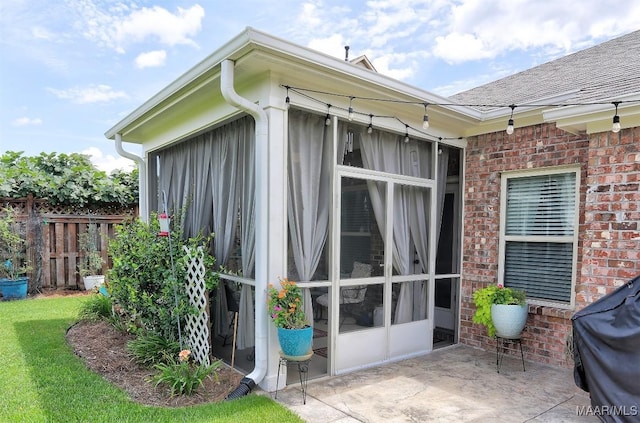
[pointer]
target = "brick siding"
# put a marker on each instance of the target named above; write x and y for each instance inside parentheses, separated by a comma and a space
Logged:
(609, 237)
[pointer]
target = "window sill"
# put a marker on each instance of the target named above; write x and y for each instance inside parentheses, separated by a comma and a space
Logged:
(551, 311)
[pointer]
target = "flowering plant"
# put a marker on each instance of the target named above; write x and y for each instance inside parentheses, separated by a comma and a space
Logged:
(285, 305)
(494, 294)
(183, 377)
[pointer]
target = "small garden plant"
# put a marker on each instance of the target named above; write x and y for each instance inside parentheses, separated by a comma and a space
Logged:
(183, 376)
(91, 260)
(285, 305)
(494, 294)
(13, 246)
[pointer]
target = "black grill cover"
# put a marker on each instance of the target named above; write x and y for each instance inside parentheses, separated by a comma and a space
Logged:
(606, 341)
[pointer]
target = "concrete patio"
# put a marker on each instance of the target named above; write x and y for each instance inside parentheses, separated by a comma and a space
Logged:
(454, 384)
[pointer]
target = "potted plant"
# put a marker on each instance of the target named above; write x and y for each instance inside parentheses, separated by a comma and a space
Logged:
(295, 335)
(90, 267)
(502, 310)
(15, 264)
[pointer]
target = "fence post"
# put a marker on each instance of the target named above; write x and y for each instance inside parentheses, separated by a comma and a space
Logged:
(33, 243)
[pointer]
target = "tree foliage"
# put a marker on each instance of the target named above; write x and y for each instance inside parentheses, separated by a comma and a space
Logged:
(67, 179)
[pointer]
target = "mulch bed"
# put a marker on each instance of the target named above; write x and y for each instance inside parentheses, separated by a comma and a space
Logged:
(103, 349)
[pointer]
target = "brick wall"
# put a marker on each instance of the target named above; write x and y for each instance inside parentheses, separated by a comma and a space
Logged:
(612, 214)
(487, 157)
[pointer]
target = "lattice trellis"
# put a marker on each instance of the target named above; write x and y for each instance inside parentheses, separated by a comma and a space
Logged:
(197, 329)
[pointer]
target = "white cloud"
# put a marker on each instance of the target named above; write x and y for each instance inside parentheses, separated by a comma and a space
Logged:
(90, 94)
(41, 33)
(480, 29)
(120, 25)
(107, 162)
(330, 45)
(389, 64)
(27, 121)
(151, 59)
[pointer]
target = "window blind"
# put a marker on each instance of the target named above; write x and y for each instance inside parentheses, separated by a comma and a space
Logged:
(541, 205)
(542, 269)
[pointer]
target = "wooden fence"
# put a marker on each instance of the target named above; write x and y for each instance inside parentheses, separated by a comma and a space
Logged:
(52, 239)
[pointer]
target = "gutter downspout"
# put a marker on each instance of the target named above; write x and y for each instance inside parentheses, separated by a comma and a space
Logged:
(142, 178)
(261, 224)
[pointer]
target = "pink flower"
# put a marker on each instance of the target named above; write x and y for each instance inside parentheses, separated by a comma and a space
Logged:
(277, 308)
(500, 286)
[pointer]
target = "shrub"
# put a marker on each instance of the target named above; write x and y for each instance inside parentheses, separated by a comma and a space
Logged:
(148, 294)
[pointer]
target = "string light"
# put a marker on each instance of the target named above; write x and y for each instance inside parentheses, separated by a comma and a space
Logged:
(406, 134)
(510, 123)
(287, 101)
(425, 118)
(615, 127)
(350, 115)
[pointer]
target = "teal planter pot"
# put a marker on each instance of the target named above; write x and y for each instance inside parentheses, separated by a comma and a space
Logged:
(14, 289)
(295, 342)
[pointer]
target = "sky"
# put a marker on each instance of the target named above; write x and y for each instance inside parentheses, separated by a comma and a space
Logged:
(71, 69)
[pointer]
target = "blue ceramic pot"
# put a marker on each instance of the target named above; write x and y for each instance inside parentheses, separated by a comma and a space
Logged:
(14, 289)
(295, 342)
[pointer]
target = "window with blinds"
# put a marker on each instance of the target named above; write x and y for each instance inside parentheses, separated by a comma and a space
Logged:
(539, 229)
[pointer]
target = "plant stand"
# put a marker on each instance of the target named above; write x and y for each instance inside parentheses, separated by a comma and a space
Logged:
(302, 363)
(501, 343)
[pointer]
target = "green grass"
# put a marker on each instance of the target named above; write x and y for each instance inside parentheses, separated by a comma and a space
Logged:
(41, 380)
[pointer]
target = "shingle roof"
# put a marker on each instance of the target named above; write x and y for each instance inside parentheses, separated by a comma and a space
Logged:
(602, 72)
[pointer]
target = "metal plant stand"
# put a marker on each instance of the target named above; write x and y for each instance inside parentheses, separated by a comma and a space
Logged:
(302, 363)
(501, 344)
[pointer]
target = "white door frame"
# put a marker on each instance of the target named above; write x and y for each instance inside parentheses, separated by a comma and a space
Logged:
(449, 317)
(370, 347)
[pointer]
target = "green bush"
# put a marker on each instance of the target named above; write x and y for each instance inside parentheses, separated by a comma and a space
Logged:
(151, 349)
(148, 294)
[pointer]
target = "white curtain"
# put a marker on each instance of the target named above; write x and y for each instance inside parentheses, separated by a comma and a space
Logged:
(309, 167)
(385, 152)
(203, 174)
(246, 318)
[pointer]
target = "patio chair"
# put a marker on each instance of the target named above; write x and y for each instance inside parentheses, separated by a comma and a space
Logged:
(349, 295)
(234, 308)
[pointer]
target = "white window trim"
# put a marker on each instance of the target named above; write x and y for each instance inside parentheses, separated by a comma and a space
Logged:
(505, 176)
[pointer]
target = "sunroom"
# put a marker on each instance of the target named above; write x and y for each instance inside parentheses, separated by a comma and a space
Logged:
(319, 170)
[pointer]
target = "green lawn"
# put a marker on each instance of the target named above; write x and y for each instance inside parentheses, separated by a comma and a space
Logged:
(41, 380)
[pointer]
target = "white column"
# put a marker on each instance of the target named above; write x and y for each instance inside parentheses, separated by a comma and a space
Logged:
(278, 230)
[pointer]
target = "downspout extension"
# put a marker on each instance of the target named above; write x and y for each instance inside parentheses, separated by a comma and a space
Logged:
(142, 178)
(261, 152)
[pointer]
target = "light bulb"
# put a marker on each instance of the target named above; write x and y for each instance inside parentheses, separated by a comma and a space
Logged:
(369, 129)
(287, 102)
(616, 124)
(327, 120)
(406, 138)
(350, 113)
(510, 127)
(425, 122)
